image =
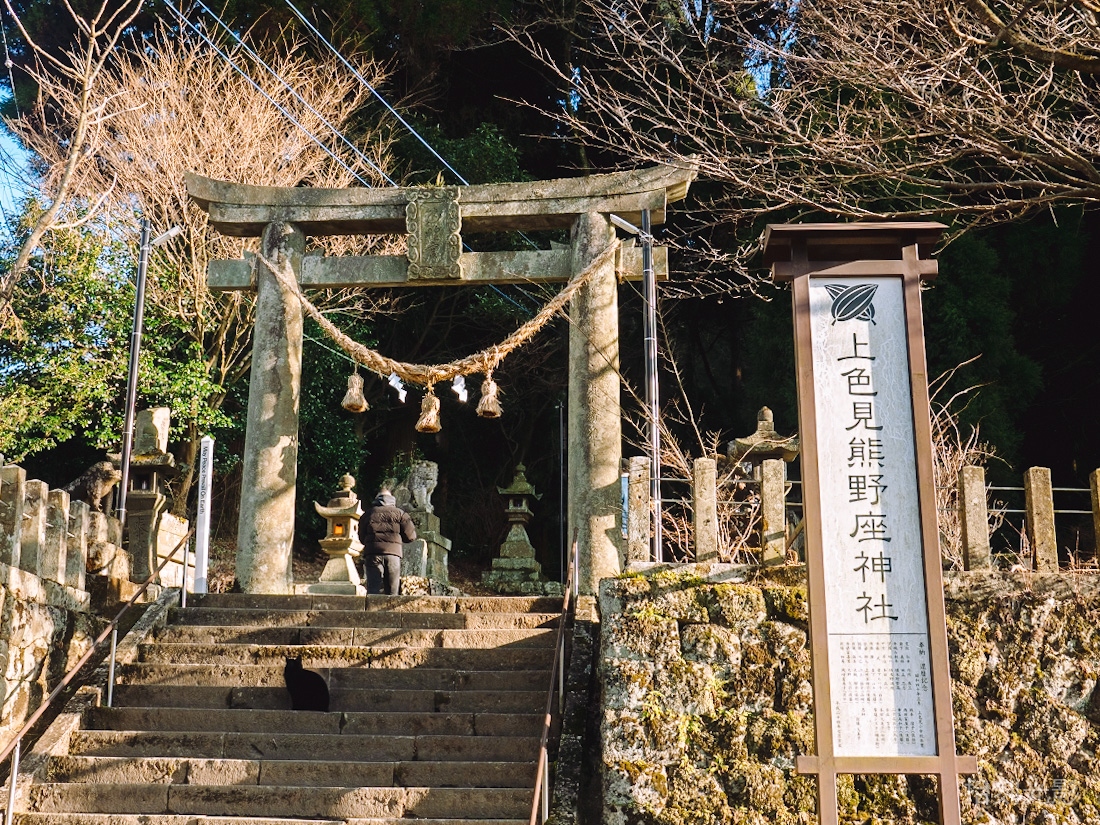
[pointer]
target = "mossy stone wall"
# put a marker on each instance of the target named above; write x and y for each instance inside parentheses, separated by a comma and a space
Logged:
(706, 701)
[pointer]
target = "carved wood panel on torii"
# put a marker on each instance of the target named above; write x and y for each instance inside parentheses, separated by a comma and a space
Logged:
(434, 219)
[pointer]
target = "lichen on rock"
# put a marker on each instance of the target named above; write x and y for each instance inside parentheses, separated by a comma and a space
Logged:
(708, 701)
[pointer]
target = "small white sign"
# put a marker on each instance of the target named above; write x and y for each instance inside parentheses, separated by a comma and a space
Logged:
(878, 643)
(202, 526)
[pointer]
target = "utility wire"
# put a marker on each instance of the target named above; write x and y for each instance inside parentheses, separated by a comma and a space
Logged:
(251, 53)
(9, 64)
(413, 132)
(335, 131)
(269, 98)
(374, 91)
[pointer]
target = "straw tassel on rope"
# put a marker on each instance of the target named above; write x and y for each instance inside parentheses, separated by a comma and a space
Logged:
(429, 414)
(489, 405)
(354, 400)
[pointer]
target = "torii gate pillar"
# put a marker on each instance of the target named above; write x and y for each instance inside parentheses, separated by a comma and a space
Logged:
(265, 528)
(595, 418)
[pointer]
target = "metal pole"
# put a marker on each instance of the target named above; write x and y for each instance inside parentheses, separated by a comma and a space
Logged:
(652, 389)
(111, 669)
(545, 789)
(183, 584)
(12, 780)
(131, 384)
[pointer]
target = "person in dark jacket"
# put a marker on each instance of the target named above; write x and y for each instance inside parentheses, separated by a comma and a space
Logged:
(383, 529)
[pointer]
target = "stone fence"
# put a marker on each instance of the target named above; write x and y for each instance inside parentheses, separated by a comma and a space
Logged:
(48, 546)
(43, 532)
(776, 520)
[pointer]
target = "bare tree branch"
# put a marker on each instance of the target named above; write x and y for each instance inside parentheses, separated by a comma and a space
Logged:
(71, 79)
(971, 110)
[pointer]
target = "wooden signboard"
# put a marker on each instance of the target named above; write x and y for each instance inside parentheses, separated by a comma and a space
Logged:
(881, 677)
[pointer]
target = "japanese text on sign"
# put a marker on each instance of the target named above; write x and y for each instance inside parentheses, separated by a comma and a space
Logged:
(877, 617)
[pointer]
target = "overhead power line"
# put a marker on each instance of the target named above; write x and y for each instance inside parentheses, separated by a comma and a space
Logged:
(358, 75)
(374, 92)
(282, 109)
(251, 53)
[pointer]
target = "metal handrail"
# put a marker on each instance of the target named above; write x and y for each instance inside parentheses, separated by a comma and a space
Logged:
(541, 798)
(111, 630)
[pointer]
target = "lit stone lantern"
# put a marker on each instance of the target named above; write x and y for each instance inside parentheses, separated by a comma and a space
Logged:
(341, 543)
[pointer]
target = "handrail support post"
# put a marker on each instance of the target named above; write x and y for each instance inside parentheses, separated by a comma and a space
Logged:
(12, 780)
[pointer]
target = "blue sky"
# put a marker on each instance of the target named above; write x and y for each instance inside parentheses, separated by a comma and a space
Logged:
(13, 174)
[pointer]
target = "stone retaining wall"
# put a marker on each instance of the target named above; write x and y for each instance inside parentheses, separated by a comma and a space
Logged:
(57, 559)
(706, 701)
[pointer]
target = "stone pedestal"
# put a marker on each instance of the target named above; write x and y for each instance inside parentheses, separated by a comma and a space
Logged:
(432, 559)
(339, 578)
(150, 466)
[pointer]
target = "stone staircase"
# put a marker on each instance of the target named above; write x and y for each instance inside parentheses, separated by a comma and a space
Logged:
(436, 708)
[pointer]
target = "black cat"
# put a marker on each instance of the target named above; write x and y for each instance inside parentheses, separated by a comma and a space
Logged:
(308, 690)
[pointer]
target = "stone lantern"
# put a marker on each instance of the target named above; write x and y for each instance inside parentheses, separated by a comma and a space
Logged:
(516, 570)
(151, 465)
(768, 453)
(341, 543)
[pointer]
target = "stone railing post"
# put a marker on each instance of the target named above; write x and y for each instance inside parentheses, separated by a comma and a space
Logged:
(705, 509)
(34, 525)
(51, 560)
(773, 510)
(974, 519)
(76, 550)
(1094, 488)
(637, 509)
(1039, 504)
(13, 483)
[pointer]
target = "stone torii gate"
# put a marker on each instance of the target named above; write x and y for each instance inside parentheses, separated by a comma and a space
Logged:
(433, 218)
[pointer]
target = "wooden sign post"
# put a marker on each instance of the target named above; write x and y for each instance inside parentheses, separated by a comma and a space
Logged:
(878, 632)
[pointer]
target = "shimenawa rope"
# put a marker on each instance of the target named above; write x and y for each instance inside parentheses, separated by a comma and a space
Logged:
(428, 374)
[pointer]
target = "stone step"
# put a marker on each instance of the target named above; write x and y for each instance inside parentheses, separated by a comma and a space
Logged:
(82, 818)
(115, 770)
(208, 683)
(352, 678)
(259, 617)
(401, 723)
(360, 636)
(316, 657)
(398, 604)
(188, 819)
(254, 801)
(362, 700)
(343, 747)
